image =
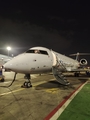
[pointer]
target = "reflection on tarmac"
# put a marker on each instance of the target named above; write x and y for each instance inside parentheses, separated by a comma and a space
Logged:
(18, 103)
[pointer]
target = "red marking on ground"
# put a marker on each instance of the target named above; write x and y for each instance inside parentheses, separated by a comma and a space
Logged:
(61, 104)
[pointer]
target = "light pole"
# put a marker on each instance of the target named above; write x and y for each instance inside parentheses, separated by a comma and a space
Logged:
(8, 48)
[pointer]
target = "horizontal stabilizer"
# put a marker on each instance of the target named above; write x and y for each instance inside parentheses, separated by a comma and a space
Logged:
(79, 54)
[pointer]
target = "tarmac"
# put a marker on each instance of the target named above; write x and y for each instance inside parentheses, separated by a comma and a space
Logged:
(37, 102)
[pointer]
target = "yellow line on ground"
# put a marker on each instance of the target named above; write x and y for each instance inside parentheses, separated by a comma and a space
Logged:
(35, 84)
(52, 90)
(13, 91)
(38, 83)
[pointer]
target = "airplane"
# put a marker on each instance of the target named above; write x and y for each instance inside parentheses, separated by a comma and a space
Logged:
(38, 60)
(4, 59)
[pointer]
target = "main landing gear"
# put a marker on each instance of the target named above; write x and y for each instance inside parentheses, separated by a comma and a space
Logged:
(76, 74)
(27, 83)
(88, 73)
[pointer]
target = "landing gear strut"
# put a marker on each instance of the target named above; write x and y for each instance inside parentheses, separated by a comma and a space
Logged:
(88, 73)
(27, 83)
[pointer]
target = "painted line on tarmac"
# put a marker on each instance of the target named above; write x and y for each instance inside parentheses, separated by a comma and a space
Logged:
(13, 91)
(38, 83)
(52, 90)
(35, 83)
(61, 107)
(7, 82)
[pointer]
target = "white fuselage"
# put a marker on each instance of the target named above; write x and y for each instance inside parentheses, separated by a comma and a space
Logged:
(39, 60)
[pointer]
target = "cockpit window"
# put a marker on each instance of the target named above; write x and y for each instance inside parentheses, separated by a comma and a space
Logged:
(43, 52)
(37, 52)
(30, 51)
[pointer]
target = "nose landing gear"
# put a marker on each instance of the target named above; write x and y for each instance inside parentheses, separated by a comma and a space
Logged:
(27, 83)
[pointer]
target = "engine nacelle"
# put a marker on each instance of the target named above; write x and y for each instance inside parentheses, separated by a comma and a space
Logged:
(83, 62)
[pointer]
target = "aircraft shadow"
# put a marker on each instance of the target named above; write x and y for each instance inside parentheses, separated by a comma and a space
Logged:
(54, 84)
(83, 80)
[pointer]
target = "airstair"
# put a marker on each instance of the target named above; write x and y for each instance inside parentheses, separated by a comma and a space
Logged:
(57, 69)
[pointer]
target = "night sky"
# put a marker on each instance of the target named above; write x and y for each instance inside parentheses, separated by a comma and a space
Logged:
(62, 26)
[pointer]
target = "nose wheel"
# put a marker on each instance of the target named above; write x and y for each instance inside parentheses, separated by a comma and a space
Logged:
(27, 83)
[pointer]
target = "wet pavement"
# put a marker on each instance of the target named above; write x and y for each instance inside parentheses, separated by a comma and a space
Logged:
(33, 103)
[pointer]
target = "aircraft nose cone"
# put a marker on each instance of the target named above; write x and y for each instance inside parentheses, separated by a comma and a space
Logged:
(6, 66)
(19, 64)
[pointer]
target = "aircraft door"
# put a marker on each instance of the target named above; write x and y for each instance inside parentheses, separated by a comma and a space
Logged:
(54, 58)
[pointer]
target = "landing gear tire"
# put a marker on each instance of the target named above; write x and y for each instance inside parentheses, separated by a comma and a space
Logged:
(88, 73)
(26, 85)
(76, 74)
(29, 85)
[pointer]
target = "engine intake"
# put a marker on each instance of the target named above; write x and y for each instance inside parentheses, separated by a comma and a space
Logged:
(83, 62)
